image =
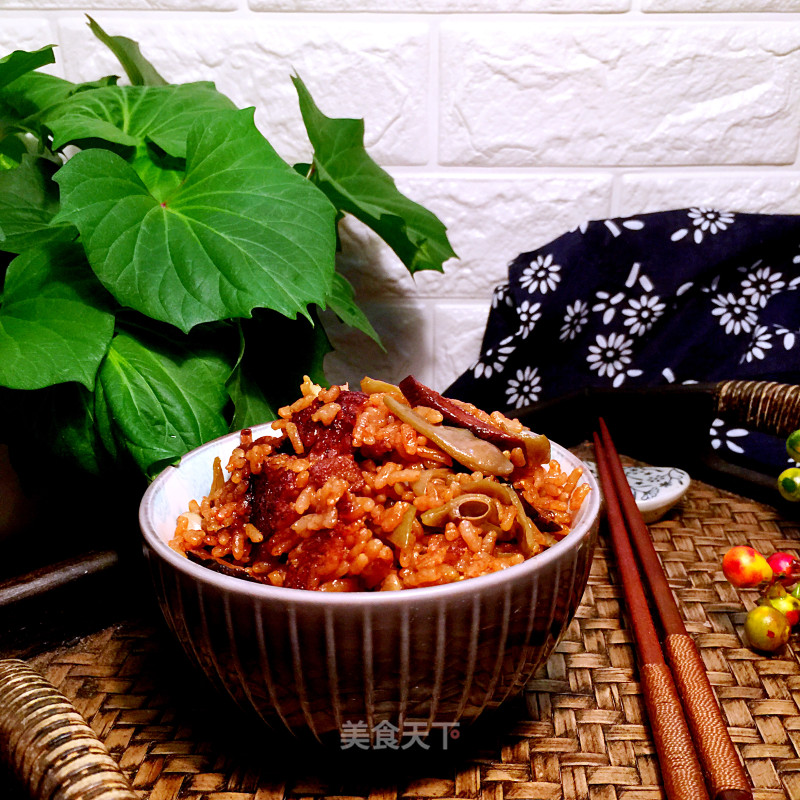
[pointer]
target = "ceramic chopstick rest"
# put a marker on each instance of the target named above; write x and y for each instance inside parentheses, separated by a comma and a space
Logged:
(655, 489)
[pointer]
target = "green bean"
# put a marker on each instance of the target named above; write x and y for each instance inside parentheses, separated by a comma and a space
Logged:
(461, 445)
(434, 517)
(218, 480)
(420, 486)
(532, 537)
(403, 535)
(374, 386)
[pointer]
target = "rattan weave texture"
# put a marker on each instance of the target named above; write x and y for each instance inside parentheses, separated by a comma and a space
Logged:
(580, 731)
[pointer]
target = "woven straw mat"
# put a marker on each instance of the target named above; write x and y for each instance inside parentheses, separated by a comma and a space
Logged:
(579, 730)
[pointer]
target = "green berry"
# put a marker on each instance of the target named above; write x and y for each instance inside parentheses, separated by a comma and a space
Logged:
(793, 445)
(766, 628)
(789, 483)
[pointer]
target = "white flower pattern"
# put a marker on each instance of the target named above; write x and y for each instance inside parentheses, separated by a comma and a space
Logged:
(523, 389)
(610, 355)
(541, 275)
(759, 344)
(529, 314)
(761, 284)
(641, 314)
(603, 306)
(735, 314)
(502, 296)
(704, 220)
(494, 359)
(575, 319)
(788, 337)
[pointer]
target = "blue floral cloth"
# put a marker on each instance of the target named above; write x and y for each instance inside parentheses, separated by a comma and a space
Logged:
(684, 296)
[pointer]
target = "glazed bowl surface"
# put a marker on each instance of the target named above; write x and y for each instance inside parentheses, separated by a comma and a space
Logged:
(327, 664)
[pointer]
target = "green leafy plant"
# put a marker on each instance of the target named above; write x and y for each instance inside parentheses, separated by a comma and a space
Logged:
(162, 284)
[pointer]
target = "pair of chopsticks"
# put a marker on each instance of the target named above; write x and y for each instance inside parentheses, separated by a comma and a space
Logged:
(695, 751)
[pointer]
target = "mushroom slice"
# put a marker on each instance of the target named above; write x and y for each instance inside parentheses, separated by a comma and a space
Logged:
(418, 394)
(535, 446)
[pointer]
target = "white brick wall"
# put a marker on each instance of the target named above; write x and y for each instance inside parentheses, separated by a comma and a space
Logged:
(513, 120)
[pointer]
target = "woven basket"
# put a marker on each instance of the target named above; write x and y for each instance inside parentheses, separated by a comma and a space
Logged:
(115, 717)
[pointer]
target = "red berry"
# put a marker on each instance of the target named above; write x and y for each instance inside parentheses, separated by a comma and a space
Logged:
(785, 568)
(745, 568)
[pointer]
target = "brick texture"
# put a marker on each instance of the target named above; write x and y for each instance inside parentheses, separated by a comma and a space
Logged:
(513, 120)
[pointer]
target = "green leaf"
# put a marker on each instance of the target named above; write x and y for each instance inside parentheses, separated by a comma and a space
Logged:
(54, 322)
(23, 99)
(139, 70)
(165, 397)
(74, 436)
(132, 116)
(242, 231)
(55, 420)
(26, 102)
(250, 406)
(342, 301)
(311, 361)
(59, 427)
(160, 173)
(20, 62)
(12, 149)
(356, 184)
(28, 203)
(290, 349)
(78, 437)
(103, 420)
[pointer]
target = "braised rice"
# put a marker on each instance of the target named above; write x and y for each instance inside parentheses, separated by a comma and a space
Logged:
(348, 497)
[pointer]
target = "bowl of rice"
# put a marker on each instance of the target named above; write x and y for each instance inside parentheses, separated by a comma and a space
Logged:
(380, 561)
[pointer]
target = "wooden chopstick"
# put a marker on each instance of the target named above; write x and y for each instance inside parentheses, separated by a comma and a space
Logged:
(723, 769)
(680, 767)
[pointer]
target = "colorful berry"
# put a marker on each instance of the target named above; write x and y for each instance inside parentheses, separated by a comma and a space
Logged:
(793, 445)
(766, 628)
(785, 568)
(745, 567)
(789, 484)
(777, 597)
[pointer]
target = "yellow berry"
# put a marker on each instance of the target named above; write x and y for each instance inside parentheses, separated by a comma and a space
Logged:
(789, 484)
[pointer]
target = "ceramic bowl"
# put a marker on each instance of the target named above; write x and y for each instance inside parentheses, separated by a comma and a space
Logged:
(327, 663)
